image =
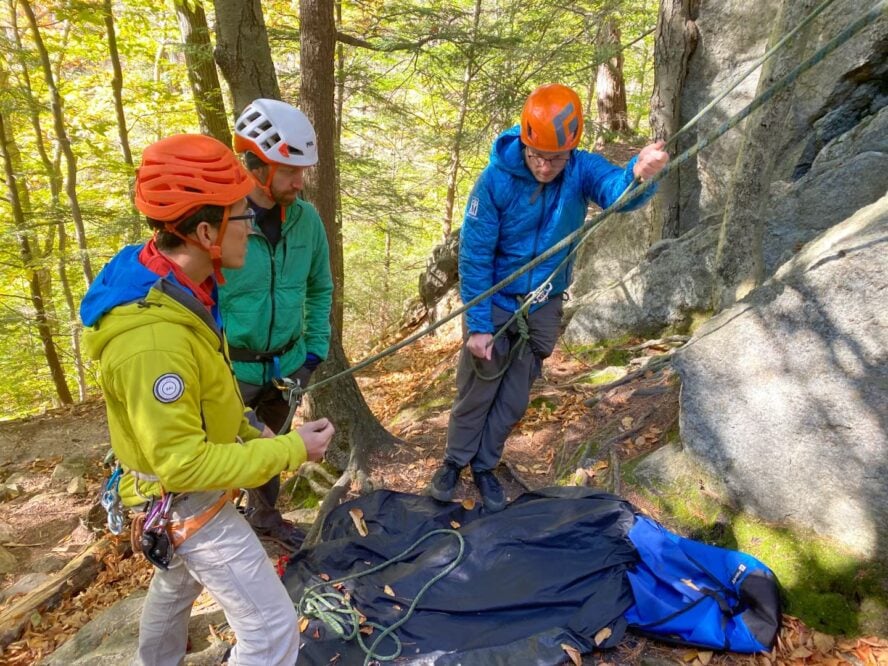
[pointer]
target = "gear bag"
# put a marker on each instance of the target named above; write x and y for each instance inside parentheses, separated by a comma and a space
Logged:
(690, 593)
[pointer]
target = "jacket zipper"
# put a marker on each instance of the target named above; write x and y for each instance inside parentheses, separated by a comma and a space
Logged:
(536, 238)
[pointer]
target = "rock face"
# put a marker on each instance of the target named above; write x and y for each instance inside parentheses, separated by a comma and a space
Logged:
(785, 395)
(832, 160)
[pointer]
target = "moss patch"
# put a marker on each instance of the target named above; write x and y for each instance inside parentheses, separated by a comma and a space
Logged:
(825, 585)
(605, 376)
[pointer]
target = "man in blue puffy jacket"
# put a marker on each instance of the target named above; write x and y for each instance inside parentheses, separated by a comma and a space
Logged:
(533, 193)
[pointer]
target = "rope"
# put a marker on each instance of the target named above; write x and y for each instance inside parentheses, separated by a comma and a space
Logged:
(517, 351)
(584, 231)
(335, 610)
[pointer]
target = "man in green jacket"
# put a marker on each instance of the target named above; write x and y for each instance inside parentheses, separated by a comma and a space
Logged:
(276, 309)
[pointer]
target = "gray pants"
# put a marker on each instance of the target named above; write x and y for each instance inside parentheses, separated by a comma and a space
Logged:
(485, 412)
(225, 557)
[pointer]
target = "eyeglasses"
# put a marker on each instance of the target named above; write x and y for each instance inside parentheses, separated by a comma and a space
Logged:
(249, 216)
(554, 162)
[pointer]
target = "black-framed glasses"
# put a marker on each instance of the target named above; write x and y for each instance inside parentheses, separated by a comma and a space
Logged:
(558, 161)
(249, 216)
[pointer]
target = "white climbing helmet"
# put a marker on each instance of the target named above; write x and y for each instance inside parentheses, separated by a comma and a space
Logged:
(276, 133)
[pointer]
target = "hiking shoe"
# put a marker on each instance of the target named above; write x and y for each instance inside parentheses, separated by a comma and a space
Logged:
(283, 533)
(444, 482)
(491, 491)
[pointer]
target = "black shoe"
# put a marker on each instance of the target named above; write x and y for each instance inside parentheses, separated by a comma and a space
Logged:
(491, 491)
(283, 533)
(444, 482)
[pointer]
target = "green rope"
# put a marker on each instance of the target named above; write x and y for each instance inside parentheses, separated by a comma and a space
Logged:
(517, 350)
(335, 610)
(584, 231)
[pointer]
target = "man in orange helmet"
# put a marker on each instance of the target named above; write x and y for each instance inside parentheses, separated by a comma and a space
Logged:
(534, 192)
(175, 414)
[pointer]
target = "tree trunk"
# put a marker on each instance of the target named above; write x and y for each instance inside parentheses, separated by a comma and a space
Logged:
(202, 75)
(455, 148)
(612, 112)
(340, 401)
(242, 52)
(64, 143)
(674, 43)
(739, 261)
(122, 130)
(10, 157)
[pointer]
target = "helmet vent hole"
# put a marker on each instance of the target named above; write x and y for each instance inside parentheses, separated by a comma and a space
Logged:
(295, 150)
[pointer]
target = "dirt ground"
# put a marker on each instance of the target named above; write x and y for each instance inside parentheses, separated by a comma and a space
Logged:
(411, 394)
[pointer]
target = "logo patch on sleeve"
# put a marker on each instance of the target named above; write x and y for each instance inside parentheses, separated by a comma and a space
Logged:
(473, 206)
(169, 387)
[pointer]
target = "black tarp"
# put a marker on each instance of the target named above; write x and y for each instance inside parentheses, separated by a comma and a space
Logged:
(547, 570)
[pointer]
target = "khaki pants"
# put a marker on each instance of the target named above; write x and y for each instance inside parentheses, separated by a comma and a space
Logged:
(226, 558)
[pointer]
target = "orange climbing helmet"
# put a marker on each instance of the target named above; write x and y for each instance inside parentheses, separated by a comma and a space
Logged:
(181, 174)
(184, 172)
(552, 119)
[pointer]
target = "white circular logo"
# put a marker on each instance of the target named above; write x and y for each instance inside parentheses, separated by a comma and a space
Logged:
(169, 387)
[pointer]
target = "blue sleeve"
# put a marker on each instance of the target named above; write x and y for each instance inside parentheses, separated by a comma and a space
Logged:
(604, 182)
(477, 249)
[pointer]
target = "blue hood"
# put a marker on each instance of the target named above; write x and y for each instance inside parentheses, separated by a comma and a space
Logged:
(123, 280)
(507, 153)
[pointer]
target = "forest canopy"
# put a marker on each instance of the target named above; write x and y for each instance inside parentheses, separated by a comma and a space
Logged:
(422, 88)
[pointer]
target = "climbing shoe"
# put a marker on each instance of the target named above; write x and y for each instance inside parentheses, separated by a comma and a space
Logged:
(491, 491)
(444, 482)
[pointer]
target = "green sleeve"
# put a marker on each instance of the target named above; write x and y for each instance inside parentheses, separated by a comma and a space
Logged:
(172, 439)
(318, 294)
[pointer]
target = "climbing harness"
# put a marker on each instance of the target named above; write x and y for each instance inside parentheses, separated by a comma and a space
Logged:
(517, 348)
(150, 535)
(335, 610)
(111, 501)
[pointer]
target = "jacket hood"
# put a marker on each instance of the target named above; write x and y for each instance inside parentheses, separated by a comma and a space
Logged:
(141, 298)
(123, 280)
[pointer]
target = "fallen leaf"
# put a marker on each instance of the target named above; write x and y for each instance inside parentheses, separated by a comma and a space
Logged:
(627, 422)
(522, 469)
(574, 654)
(454, 524)
(801, 652)
(303, 624)
(602, 635)
(823, 642)
(468, 504)
(600, 465)
(357, 517)
(324, 577)
(366, 630)
(388, 590)
(704, 657)
(640, 441)
(688, 657)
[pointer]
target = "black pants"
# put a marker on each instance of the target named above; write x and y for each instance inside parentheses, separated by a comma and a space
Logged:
(271, 408)
(485, 411)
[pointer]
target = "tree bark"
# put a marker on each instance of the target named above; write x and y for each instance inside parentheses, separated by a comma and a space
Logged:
(674, 44)
(340, 401)
(64, 143)
(458, 135)
(44, 330)
(202, 75)
(122, 129)
(242, 52)
(739, 260)
(611, 86)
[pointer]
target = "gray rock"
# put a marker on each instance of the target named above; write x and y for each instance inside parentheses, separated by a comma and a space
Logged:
(23, 585)
(7, 533)
(664, 289)
(67, 470)
(112, 637)
(18, 479)
(9, 491)
(8, 563)
(77, 486)
(785, 395)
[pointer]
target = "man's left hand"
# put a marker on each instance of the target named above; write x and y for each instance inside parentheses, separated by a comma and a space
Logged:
(651, 161)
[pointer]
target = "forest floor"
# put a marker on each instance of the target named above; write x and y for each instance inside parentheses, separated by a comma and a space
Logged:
(571, 407)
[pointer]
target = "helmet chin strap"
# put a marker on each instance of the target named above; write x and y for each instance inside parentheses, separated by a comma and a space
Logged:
(266, 186)
(214, 250)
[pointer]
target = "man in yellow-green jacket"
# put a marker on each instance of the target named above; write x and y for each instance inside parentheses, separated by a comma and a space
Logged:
(175, 414)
